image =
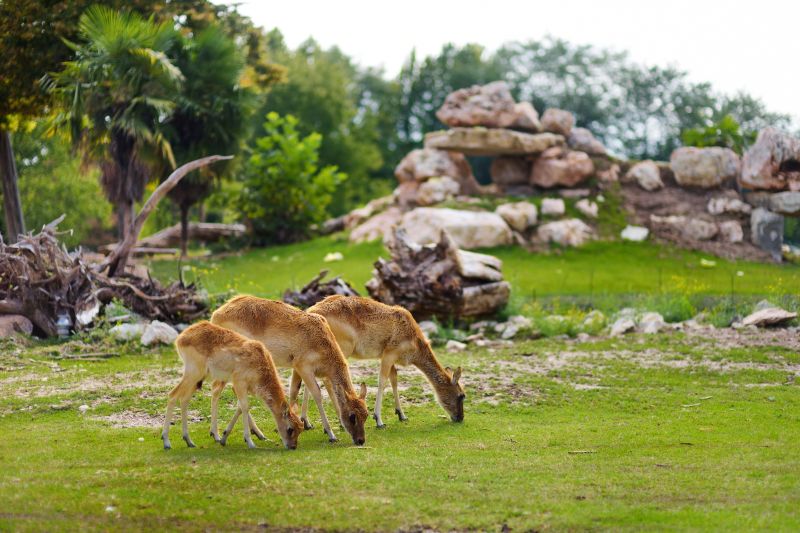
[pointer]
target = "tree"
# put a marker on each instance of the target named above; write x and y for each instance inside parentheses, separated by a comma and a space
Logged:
(114, 97)
(211, 113)
(284, 189)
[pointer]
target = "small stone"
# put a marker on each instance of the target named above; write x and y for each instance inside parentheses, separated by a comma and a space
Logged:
(127, 332)
(634, 233)
(140, 439)
(731, 231)
(622, 326)
(83, 408)
(583, 140)
(721, 205)
(572, 232)
(158, 332)
(553, 207)
(333, 256)
(651, 322)
(455, 346)
(785, 203)
(773, 316)
(519, 215)
(647, 175)
(587, 207)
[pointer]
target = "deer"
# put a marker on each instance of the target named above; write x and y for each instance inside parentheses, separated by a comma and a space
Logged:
(208, 350)
(367, 329)
(305, 343)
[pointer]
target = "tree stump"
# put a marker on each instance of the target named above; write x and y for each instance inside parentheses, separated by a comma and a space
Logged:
(314, 291)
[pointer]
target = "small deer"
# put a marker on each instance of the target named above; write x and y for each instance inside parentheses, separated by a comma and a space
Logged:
(211, 351)
(366, 329)
(304, 342)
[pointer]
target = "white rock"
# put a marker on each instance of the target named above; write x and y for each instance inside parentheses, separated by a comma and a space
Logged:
(333, 256)
(509, 332)
(594, 320)
(731, 231)
(519, 215)
(771, 316)
(158, 332)
(587, 207)
(468, 229)
(622, 326)
(651, 323)
(437, 190)
(721, 205)
(553, 207)
(429, 328)
(127, 332)
(634, 233)
(455, 346)
(646, 174)
(572, 232)
(83, 408)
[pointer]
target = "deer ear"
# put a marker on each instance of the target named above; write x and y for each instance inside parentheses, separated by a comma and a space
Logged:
(363, 394)
(286, 410)
(456, 375)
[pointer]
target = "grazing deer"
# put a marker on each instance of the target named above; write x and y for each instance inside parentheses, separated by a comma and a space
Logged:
(366, 329)
(303, 342)
(211, 351)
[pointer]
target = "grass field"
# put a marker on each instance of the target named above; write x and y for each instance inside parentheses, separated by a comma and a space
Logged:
(670, 432)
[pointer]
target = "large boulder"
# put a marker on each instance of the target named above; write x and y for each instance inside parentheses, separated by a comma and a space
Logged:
(519, 215)
(493, 142)
(489, 105)
(769, 316)
(558, 121)
(468, 229)
(378, 227)
(583, 140)
(704, 167)
(772, 163)
(422, 164)
(14, 324)
(157, 332)
(646, 174)
(572, 232)
(785, 203)
(526, 117)
(437, 190)
(557, 167)
(510, 170)
(766, 231)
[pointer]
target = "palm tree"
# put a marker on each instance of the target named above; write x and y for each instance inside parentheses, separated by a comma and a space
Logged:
(211, 113)
(115, 97)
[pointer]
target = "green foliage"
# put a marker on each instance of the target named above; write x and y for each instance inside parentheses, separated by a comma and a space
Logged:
(285, 190)
(725, 133)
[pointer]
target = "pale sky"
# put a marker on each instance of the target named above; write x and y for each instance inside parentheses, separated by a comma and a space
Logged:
(736, 45)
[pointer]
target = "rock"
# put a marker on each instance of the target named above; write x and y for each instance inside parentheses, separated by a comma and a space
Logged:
(704, 167)
(766, 231)
(127, 332)
(357, 216)
(773, 316)
(482, 325)
(572, 232)
(429, 328)
(424, 163)
(405, 195)
(330, 257)
(651, 323)
(721, 205)
(510, 170)
(785, 203)
(622, 326)
(694, 229)
(634, 233)
(437, 190)
(574, 193)
(646, 174)
(526, 117)
(558, 121)
(489, 105)
(83, 408)
(587, 208)
(484, 141)
(455, 346)
(772, 163)
(609, 175)
(14, 324)
(731, 231)
(583, 140)
(553, 207)
(468, 229)
(519, 215)
(378, 227)
(594, 321)
(561, 168)
(158, 332)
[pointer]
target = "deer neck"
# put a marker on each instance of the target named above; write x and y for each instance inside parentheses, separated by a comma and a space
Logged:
(434, 371)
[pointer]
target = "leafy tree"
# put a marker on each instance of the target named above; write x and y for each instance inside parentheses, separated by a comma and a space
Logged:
(284, 189)
(211, 113)
(725, 133)
(115, 95)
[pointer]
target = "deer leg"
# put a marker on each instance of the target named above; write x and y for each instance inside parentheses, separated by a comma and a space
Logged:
(294, 390)
(313, 387)
(254, 428)
(384, 375)
(398, 409)
(216, 391)
(329, 388)
(232, 423)
(244, 406)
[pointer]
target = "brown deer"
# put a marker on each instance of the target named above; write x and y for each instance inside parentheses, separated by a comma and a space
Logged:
(211, 351)
(366, 329)
(303, 342)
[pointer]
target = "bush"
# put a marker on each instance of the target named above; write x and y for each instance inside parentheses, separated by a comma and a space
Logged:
(284, 191)
(725, 133)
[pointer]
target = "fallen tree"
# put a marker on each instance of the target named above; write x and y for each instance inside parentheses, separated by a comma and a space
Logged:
(315, 292)
(438, 280)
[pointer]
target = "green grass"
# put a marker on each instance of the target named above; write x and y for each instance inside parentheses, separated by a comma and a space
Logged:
(602, 441)
(597, 269)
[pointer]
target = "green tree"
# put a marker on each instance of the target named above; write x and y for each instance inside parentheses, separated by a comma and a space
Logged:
(725, 133)
(114, 96)
(284, 189)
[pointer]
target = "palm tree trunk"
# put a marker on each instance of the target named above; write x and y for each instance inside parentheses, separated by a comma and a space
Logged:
(184, 230)
(12, 208)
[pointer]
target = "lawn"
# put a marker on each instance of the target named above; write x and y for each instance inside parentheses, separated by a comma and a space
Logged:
(668, 432)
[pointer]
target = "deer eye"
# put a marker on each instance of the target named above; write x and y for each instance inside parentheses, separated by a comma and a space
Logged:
(352, 418)
(290, 430)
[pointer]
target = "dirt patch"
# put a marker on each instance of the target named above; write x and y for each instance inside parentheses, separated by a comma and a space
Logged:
(728, 338)
(140, 419)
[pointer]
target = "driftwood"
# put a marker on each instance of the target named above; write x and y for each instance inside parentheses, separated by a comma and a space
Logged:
(198, 231)
(438, 280)
(41, 280)
(118, 259)
(315, 292)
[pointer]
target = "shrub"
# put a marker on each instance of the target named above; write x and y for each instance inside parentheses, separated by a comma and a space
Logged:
(725, 133)
(284, 191)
